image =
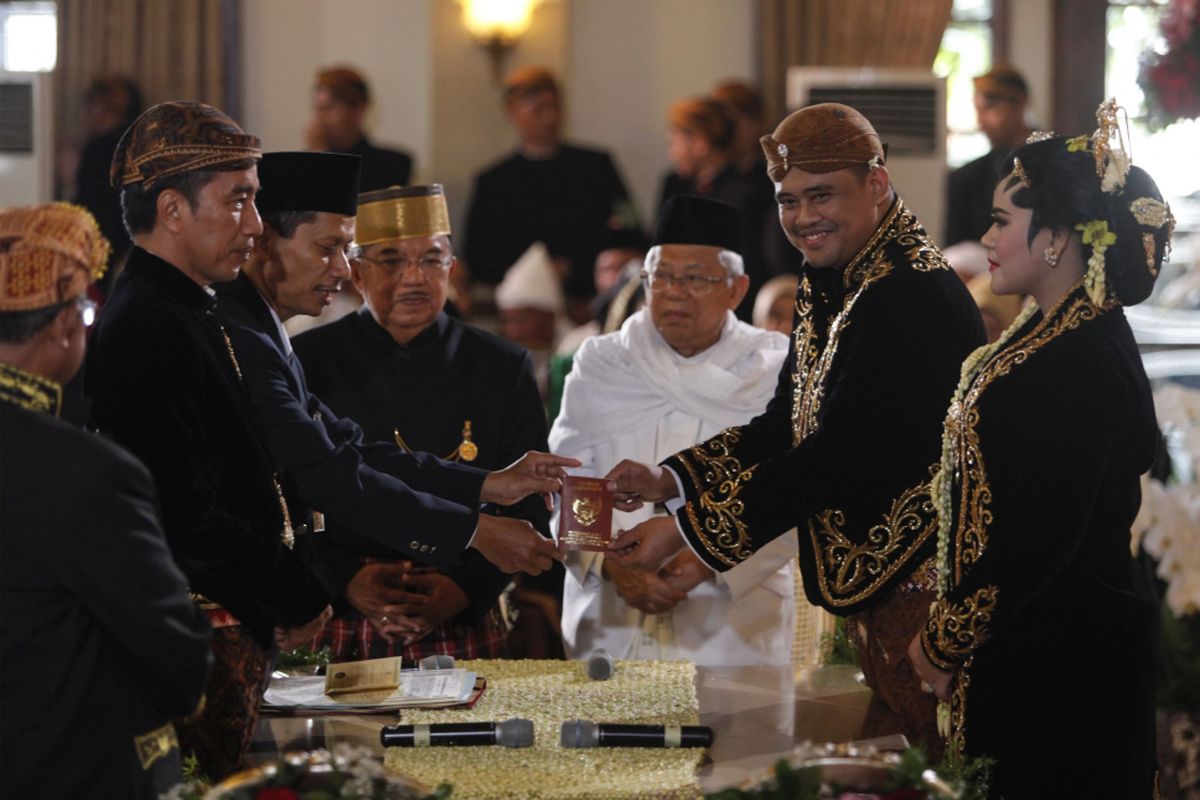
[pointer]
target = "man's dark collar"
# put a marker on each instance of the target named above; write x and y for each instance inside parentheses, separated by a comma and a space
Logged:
(431, 334)
(169, 279)
(28, 391)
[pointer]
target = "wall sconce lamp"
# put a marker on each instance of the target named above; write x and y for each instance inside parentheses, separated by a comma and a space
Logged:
(497, 25)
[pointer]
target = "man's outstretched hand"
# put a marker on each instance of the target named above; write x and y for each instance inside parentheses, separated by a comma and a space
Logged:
(637, 483)
(533, 473)
(514, 546)
(648, 545)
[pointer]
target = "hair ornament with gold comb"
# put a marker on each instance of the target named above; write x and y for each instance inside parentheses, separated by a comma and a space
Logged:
(1019, 171)
(1111, 146)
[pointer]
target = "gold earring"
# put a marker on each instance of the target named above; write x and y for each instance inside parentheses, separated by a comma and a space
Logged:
(1051, 257)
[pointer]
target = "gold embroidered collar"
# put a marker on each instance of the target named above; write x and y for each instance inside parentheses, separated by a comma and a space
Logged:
(885, 232)
(28, 391)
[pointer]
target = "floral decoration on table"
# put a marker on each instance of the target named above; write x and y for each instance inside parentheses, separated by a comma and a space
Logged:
(548, 693)
(1171, 79)
(348, 773)
(844, 772)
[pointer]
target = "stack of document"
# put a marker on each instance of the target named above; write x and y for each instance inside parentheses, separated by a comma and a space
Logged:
(371, 686)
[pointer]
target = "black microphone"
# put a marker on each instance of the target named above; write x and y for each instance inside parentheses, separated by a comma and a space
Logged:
(581, 733)
(509, 733)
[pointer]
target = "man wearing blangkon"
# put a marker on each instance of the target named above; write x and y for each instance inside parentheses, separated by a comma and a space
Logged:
(843, 450)
(164, 382)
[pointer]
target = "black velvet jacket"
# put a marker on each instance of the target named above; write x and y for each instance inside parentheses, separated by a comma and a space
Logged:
(99, 634)
(1046, 620)
(162, 383)
(449, 374)
(844, 450)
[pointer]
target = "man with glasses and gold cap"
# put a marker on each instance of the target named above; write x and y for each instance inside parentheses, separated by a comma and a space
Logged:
(844, 449)
(678, 371)
(99, 631)
(409, 373)
(164, 381)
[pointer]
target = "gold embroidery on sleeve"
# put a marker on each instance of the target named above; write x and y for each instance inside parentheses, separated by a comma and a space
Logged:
(719, 525)
(848, 572)
(955, 630)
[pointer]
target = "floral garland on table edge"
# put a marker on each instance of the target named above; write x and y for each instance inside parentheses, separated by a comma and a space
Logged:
(348, 772)
(909, 777)
(1171, 80)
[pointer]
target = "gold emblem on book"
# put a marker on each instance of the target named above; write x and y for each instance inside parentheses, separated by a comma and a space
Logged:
(585, 510)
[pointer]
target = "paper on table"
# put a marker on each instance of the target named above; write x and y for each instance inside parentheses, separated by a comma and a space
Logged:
(417, 688)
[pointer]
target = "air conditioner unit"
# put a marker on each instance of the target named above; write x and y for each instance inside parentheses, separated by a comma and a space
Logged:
(26, 142)
(908, 109)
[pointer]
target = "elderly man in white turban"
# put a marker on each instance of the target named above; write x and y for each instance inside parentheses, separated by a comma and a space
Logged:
(678, 372)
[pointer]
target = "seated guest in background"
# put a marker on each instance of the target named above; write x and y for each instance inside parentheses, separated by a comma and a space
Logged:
(1042, 640)
(775, 305)
(99, 633)
(547, 191)
(531, 308)
(745, 107)
(408, 372)
(620, 259)
(340, 101)
(1001, 101)
(700, 138)
(677, 372)
(844, 449)
(411, 503)
(164, 382)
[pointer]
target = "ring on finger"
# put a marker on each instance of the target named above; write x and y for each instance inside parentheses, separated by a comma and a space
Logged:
(383, 620)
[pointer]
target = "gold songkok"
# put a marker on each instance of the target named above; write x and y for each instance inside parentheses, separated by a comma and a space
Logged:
(398, 212)
(822, 138)
(175, 137)
(48, 255)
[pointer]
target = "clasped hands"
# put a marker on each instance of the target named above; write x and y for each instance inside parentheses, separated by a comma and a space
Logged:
(402, 601)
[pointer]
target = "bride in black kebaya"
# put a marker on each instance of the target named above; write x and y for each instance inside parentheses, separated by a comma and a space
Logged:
(1041, 643)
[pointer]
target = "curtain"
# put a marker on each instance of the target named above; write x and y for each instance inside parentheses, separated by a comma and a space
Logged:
(845, 33)
(174, 49)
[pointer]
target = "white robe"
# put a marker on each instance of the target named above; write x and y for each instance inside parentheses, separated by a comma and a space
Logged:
(629, 395)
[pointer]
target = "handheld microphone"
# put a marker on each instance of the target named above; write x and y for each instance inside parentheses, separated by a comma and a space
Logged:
(509, 733)
(600, 666)
(581, 733)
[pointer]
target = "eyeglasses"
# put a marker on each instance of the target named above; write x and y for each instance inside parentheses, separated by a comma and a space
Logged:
(429, 265)
(87, 310)
(657, 280)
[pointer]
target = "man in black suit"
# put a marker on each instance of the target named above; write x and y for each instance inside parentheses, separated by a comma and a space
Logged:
(165, 382)
(101, 645)
(547, 190)
(340, 101)
(405, 370)
(413, 504)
